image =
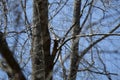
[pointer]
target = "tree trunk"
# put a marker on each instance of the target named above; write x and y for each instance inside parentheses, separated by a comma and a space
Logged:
(42, 65)
(75, 41)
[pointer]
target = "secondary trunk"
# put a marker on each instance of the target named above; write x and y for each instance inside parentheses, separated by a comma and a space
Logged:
(75, 41)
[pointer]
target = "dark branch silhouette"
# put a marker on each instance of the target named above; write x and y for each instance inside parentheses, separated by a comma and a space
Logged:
(8, 55)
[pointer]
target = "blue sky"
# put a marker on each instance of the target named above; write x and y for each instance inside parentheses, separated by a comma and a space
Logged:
(61, 24)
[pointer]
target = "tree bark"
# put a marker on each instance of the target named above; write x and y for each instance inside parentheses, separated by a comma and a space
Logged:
(75, 41)
(42, 64)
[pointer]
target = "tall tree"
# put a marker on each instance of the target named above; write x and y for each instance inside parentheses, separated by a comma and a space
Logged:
(40, 20)
(75, 42)
(42, 61)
